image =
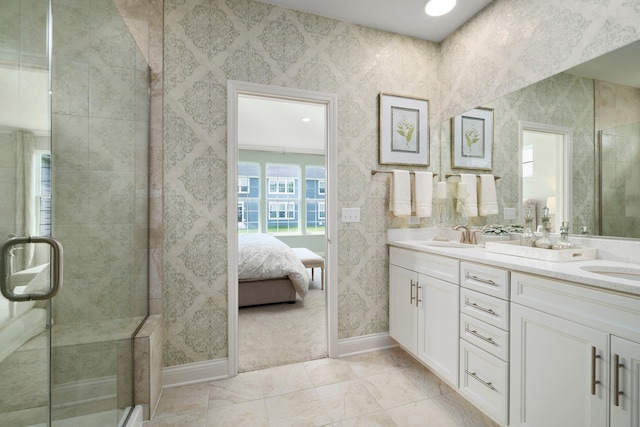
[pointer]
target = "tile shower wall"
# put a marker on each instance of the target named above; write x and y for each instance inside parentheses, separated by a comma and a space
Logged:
(618, 116)
(509, 45)
(99, 204)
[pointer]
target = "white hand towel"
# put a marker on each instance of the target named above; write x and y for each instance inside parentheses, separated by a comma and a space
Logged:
(487, 199)
(471, 202)
(400, 193)
(423, 194)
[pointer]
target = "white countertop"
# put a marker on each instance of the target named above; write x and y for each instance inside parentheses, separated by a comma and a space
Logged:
(568, 271)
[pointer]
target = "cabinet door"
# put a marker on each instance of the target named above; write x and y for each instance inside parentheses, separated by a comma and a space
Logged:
(555, 378)
(403, 317)
(625, 383)
(438, 326)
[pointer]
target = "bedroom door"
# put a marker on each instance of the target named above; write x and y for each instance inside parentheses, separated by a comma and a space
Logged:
(292, 174)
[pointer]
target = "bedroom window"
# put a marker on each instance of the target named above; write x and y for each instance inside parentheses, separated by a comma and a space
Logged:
(321, 186)
(249, 197)
(243, 185)
(43, 192)
(282, 186)
(282, 210)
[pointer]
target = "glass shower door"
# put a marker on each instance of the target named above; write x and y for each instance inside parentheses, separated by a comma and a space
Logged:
(73, 165)
(25, 210)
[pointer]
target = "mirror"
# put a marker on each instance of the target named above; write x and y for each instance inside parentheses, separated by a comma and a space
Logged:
(600, 104)
(545, 178)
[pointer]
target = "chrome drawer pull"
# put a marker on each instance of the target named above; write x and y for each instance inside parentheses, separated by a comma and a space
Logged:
(616, 380)
(477, 307)
(594, 381)
(480, 279)
(476, 334)
(474, 376)
(411, 292)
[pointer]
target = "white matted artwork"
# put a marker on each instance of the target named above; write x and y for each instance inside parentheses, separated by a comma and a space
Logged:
(472, 146)
(404, 130)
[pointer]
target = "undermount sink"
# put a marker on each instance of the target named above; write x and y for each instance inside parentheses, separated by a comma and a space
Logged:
(628, 273)
(442, 244)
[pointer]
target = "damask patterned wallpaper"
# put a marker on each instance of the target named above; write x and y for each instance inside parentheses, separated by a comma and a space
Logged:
(207, 42)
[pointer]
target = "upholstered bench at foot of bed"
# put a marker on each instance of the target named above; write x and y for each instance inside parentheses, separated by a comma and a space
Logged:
(311, 260)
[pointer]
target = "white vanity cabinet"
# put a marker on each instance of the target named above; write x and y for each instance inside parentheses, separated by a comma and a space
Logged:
(575, 357)
(423, 308)
(484, 338)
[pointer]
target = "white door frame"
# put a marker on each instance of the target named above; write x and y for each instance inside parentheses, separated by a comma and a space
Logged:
(234, 88)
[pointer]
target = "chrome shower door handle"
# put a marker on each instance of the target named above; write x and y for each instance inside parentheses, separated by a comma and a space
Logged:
(56, 264)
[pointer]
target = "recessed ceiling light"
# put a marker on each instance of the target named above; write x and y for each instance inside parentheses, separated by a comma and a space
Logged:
(306, 119)
(439, 7)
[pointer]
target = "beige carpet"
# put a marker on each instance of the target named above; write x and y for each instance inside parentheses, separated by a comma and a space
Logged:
(280, 334)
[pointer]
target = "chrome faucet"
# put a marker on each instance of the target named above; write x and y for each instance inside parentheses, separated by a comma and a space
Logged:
(468, 234)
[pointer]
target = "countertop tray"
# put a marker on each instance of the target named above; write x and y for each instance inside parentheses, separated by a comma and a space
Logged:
(563, 255)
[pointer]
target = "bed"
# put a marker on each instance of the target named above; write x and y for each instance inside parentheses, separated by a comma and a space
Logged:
(21, 321)
(268, 271)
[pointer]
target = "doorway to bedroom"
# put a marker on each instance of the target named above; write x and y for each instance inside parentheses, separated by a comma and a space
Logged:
(281, 173)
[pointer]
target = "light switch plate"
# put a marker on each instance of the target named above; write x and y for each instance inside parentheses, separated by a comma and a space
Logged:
(509, 213)
(350, 214)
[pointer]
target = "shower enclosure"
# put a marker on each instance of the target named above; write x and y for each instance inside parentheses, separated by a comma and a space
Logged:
(73, 172)
(619, 181)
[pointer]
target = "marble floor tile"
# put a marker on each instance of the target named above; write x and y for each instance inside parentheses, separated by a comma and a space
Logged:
(377, 419)
(301, 408)
(284, 379)
(329, 371)
(379, 361)
(183, 400)
(385, 388)
(244, 387)
(247, 414)
(196, 419)
(393, 388)
(347, 399)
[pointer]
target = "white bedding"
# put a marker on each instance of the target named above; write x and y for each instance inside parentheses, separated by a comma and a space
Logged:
(19, 322)
(262, 256)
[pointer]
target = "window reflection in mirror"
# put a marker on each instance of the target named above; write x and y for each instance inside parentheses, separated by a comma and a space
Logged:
(546, 175)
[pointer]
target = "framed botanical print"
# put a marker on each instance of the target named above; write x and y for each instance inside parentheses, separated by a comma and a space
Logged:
(472, 146)
(404, 130)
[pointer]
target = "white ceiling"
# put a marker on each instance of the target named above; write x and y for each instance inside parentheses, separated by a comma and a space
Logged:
(396, 16)
(619, 66)
(271, 124)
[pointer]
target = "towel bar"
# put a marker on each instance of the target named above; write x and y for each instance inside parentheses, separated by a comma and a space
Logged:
(447, 176)
(375, 171)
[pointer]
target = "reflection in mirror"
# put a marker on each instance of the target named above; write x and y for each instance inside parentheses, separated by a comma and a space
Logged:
(587, 99)
(546, 174)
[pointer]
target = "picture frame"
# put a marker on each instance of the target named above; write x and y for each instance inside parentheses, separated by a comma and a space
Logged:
(472, 140)
(404, 130)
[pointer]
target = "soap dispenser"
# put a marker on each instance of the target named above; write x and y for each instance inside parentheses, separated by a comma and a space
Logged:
(564, 242)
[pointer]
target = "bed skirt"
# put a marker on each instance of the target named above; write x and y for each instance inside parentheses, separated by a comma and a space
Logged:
(265, 291)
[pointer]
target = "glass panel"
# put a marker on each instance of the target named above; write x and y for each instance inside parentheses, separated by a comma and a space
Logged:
(99, 210)
(25, 144)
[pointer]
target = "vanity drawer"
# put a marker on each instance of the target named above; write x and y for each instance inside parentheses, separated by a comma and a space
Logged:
(485, 279)
(443, 268)
(489, 338)
(489, 309)
(484, 380)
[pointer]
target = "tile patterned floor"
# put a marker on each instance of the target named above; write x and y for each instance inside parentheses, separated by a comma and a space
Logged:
(382, 388)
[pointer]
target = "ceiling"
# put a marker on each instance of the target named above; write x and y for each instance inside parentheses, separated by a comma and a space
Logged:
(395, 16)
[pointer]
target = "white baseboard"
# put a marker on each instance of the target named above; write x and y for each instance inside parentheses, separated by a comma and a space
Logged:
(364, 344)
(218, 369)
(192, 373)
